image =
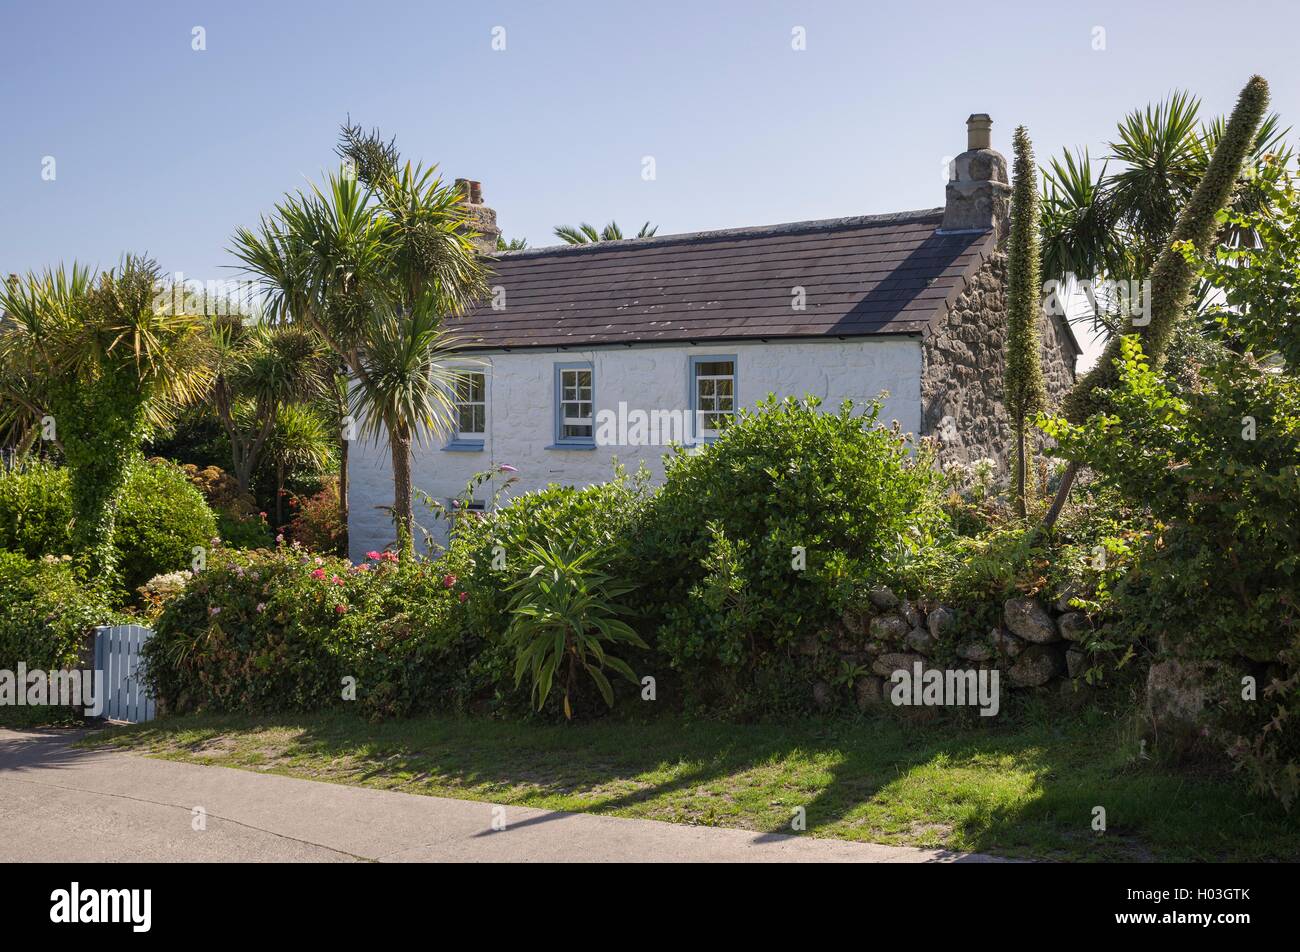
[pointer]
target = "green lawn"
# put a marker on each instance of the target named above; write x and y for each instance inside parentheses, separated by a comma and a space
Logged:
(1026, 789)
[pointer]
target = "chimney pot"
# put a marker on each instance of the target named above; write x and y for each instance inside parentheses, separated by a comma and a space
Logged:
(476, 193)
(978, 131)
(978, 195)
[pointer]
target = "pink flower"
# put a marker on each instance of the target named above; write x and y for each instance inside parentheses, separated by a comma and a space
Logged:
(463, 596)
(449, 580)
(336, 580)
(373, 555)
(507, 468)
(340, 609)
(318, 573)
(262, 514)
(214, 611)
(279, 537)
(261, 607)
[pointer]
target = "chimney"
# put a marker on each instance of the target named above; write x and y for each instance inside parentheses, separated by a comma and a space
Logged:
(978, 196)
(481, 218)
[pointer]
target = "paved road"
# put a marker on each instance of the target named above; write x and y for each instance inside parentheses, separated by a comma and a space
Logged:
(62, 804)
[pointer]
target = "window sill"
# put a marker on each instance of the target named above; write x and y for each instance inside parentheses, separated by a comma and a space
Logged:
(464, 446)
(572, 446)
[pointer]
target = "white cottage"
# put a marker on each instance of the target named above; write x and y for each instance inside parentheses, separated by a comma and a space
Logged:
(587, 353)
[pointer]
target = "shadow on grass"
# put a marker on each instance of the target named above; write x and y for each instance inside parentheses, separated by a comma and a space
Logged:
(1028, 787)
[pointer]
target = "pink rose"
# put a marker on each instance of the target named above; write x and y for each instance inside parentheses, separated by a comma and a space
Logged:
(448, 580)
(463, 596)
(318, 573)
(340, 609)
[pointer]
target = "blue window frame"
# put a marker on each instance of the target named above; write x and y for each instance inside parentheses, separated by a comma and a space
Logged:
(711, 391)
(469, 399)
(575, 406)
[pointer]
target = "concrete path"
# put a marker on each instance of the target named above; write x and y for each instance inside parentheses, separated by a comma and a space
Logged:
(62, 804)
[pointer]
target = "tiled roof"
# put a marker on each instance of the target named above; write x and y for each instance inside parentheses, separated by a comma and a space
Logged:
(884, 274)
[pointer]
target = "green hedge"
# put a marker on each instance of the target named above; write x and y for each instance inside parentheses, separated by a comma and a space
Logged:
(281, 630)
(46, 613)
(759, 539)
(160, 518)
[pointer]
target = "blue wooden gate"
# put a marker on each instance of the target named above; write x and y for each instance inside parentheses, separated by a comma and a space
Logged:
(117, 655)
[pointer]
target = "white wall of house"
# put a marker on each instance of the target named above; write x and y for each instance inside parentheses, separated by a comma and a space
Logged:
(521, 412)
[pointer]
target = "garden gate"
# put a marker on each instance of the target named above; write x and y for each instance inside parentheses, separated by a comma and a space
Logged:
(117, 654)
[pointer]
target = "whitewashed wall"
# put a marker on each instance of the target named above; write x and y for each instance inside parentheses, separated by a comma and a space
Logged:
(521, 412)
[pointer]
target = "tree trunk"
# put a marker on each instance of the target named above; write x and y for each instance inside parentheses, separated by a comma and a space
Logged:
(1067, 480)
(279, 495)
(343, 497)
(399, 439)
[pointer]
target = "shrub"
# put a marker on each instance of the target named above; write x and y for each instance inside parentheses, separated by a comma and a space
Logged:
(160, 518)
(46, 612)
(757, 539)
(315, 522)
(563, 616)
(491, 550)
(35, 510)
(280, 630)
(1219, 577)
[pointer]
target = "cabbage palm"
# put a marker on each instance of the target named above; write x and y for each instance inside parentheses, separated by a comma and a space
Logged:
(586, 234)
(376, 262)
(1114, 222)
(407, 393)
(262, 371)
(106, 360)
(301, 440)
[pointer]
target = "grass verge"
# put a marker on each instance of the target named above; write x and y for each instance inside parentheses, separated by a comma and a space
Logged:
(1026, 789)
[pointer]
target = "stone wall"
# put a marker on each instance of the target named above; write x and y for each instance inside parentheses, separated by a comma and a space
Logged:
(1036, 644)
(964, 359)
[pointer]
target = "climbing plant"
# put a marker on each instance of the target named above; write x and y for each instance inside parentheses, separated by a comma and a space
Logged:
(105, 360)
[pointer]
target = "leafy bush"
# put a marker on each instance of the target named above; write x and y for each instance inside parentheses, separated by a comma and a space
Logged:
(757, 540)
(46, 612)
(316, 518)
(492, 550)
(563, 615)
(1219, 577)
(35, 510)
(160, 518)
(280, 631)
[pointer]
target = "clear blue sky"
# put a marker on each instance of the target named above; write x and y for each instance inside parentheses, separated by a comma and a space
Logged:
(165, 150)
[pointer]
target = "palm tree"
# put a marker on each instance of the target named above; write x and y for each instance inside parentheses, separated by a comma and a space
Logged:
(407, 392)
(1113, 222)
(1172, 278)
(301, 440)
(314, 256)
(262, 372)
(585, 234)
(102, 359)
(376, 262)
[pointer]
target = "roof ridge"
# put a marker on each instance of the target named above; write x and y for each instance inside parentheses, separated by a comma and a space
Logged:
(792, 228)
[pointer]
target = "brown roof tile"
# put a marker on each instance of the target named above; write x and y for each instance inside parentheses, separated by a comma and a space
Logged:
(884, 274)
